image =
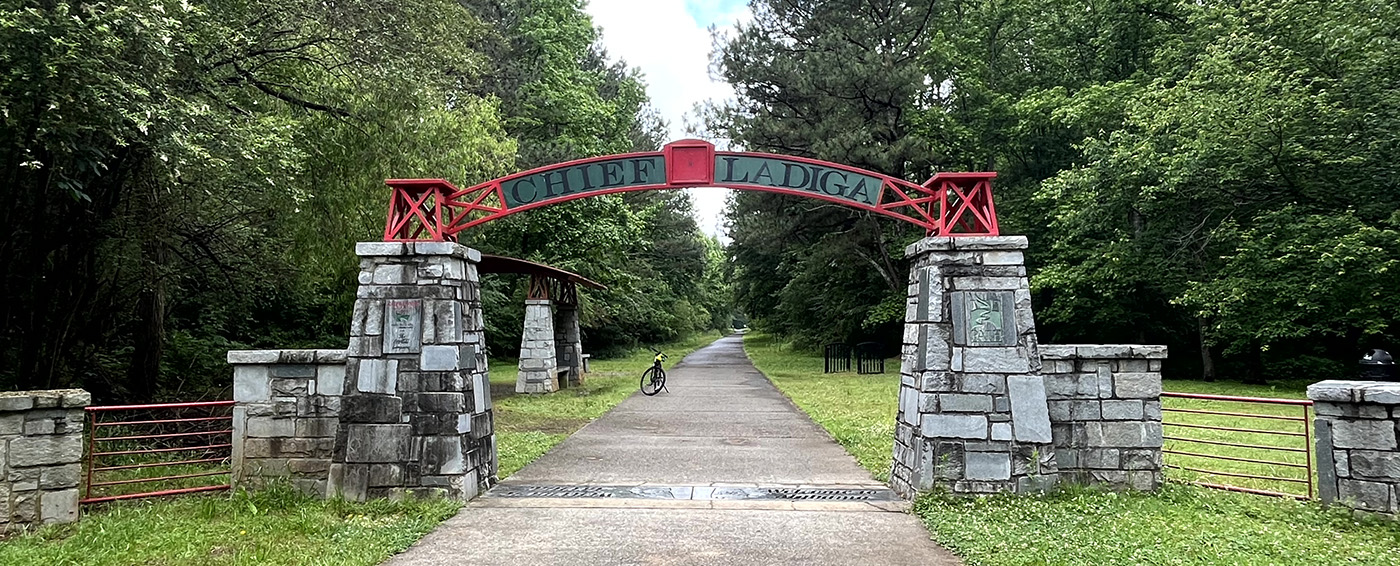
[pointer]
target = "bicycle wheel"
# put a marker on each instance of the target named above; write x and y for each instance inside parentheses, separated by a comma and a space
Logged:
(653, 379)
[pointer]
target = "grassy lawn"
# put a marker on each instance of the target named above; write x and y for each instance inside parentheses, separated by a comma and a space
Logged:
(527, 426)
(1182, 524)
(274, 527)
(857, 410)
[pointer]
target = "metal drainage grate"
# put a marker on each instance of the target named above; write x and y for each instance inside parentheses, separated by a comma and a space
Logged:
(554, 491)
(830, 494)
(693, 493)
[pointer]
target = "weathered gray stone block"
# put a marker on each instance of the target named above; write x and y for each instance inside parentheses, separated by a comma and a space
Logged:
(1030, 412)
(371, 249)
(1375, 464)
(377, 376)
(45, 450)
(440, 358)
(1122, 410)
(1124, 434)
(316, 427)
(954, 426)
(957, 403)
(1137, 385)
(59, 477)
(377, 443)
(270, 427)
(59, 506)
(993, 360)
(1365, 495)
(330, 379)
(987, 466)
(1364, 434)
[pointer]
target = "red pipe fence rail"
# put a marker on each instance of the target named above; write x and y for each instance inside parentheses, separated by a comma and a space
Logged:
(1241, 443)
(171, 445)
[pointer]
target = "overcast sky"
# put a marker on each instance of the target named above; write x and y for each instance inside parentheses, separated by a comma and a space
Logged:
(669, 40)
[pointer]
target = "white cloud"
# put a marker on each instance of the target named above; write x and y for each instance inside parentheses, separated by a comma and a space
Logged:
(669, 41)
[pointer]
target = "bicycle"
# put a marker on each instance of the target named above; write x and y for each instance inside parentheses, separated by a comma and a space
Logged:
(654, 378)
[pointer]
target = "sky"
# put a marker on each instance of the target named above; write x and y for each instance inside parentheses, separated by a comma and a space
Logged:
(669, 40)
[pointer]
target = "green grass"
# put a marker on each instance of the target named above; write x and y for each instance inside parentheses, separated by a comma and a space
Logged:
(1182, 524)
(527, 426)
(271, 527)
(857, 410)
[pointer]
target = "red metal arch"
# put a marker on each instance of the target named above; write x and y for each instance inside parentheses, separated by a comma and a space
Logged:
(948, 204)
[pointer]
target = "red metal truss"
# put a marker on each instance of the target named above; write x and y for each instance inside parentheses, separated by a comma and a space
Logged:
(948, 204)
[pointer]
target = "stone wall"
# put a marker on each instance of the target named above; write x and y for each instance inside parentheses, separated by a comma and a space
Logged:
(41, 453)
(1106, 413)
(286, 415)
(973, 416)
(984, 408)
(1358, 457)
(415, 412)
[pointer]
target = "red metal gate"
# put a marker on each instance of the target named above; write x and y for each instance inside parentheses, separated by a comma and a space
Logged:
(1258, 445)
(179, 447)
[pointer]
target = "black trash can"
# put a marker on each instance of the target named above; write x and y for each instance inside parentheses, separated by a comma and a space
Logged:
(1377, 365)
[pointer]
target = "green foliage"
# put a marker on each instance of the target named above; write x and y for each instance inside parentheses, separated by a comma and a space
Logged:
(1215, 176)
(182, 179)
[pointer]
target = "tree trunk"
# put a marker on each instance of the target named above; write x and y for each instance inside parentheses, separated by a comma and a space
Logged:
(1207, 356)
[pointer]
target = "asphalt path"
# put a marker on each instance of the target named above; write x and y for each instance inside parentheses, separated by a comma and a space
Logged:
(687, 475)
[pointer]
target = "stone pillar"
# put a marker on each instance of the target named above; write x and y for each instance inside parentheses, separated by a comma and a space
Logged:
(538, 365)
(568, 341)
(285, 417)
(415, 413)
(1358, 444)
(973, 413)
(41, 455)
(1106, 413)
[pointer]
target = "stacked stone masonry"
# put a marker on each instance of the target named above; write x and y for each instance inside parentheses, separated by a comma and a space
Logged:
(568, 343)
(41, 453)
(415, 414)
(1106, 413)
(404, 410)
(538, 365)
(972, 406)
(980, 411)
(1357, 431)
(286, 415)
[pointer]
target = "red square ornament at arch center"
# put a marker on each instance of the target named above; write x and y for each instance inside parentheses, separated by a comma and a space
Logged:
(690, 162)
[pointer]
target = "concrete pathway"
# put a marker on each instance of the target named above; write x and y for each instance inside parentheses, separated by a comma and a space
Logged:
(689, 477)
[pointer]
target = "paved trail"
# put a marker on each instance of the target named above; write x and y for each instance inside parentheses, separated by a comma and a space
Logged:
(688, 477)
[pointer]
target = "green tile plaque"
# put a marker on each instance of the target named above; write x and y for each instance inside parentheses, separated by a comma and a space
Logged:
(984, 318)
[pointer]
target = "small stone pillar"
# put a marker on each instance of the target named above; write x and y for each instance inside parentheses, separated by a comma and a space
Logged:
(41, 455)
(538, 365)
(1358, 444)
(285, 416)
(568, 341)
(1106, 413)
(415, 413)
(973, 413)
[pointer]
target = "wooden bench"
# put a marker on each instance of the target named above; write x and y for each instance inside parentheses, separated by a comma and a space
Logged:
(585, 361)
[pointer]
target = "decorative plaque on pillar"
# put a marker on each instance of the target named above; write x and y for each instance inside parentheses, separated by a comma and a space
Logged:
(984, 318)
(403, 326)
